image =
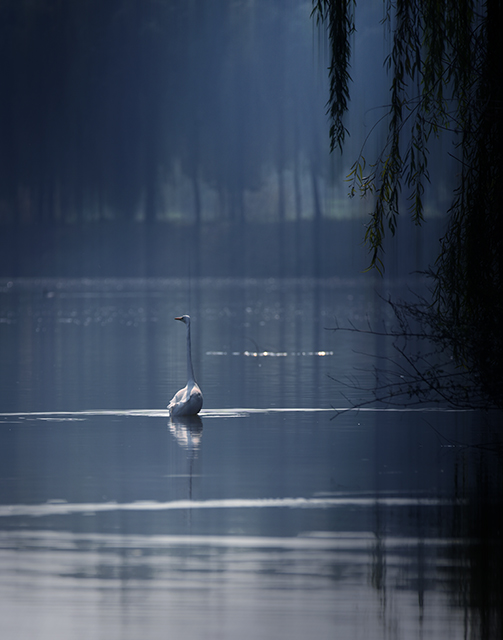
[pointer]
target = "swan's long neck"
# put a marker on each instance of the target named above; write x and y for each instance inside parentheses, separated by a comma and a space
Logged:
(190, 370)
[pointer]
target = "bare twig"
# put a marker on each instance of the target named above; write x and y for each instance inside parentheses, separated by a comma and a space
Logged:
(423, 370)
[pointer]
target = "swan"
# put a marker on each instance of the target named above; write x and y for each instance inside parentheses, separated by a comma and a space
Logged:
(189, 400)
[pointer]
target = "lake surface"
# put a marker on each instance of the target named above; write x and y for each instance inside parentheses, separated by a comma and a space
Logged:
(269, 516)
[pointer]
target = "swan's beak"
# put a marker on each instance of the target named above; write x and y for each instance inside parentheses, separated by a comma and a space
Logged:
(180, 318)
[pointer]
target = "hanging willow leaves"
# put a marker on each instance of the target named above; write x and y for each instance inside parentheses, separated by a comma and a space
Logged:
(339, 16)
(445, 76)
(431, 85)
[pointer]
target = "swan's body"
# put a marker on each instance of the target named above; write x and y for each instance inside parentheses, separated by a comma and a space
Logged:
(189, 400)
(186, 402)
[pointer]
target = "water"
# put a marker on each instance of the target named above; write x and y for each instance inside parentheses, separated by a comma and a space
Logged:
(264, 517)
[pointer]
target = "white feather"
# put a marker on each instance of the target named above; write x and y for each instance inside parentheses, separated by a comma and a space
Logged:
(189, 400)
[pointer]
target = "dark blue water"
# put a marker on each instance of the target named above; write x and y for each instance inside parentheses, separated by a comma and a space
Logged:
(268, 515)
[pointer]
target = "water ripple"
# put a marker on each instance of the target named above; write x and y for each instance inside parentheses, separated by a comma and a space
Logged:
(234, 412)
(65, 508)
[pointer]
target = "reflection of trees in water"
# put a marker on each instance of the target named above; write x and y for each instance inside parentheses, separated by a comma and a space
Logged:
(458, 547)
(478, 580)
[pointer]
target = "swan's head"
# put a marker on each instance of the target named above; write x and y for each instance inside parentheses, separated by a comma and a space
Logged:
(185, 319)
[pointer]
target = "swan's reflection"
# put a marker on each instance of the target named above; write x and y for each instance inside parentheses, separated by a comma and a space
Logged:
(188, 431)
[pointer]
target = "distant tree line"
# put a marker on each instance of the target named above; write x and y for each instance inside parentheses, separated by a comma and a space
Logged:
(137, 109)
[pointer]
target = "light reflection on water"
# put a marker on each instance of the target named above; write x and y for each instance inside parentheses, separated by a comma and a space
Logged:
(64, 508)
(157, 587)
(263, 517)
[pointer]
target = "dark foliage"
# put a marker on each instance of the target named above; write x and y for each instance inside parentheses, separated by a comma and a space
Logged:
(446, 79)
(421, 369)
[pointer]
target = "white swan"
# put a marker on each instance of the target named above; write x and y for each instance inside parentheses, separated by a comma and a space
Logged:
(189, 400)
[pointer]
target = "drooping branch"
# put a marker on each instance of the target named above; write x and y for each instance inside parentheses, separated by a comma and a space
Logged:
(338, 15)
(446, 78)
(434, 70)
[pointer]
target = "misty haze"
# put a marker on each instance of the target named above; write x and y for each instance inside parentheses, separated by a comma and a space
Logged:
(163, 158)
